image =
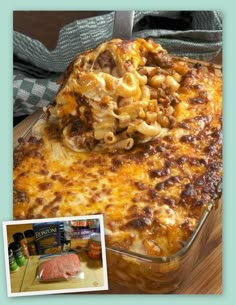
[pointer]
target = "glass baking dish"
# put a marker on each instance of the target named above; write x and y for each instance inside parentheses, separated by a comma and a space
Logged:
(145, 274)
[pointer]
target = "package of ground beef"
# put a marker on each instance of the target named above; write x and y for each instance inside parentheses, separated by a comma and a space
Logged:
(59, 268)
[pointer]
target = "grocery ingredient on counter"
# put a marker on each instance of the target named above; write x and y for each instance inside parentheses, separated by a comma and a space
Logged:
(77, 233)
(30, 237)
(95, 247)
(12, 262)
(19, 237)
(47, 237)
(59, 268)
(18, 254)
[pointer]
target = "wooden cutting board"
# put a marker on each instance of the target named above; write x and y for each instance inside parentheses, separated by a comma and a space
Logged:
(90, 277)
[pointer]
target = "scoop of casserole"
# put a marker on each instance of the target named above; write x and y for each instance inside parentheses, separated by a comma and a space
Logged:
(120, 94)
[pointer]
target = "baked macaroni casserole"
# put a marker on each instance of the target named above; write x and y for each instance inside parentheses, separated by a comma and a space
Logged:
(134, 134)
(118, 95)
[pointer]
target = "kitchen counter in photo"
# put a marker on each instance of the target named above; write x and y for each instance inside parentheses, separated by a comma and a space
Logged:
(24, 280)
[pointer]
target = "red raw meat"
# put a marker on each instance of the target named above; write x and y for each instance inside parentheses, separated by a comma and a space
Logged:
(59, 268)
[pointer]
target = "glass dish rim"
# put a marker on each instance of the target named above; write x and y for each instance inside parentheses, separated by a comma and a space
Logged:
(165, 259)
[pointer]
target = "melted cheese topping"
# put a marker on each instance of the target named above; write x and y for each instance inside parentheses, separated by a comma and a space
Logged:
(153, 196)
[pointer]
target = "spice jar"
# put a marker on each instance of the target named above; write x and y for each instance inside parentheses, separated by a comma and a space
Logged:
(94, 247)
(30, 237)
(12, 262)
(18, 254)
(19, 237)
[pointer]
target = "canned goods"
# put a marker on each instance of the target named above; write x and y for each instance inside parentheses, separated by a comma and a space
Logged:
(17, 252)
(12, 262)
(19, 237)
(94, 247)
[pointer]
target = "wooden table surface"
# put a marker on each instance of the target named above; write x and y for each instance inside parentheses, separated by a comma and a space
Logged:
(206, 277)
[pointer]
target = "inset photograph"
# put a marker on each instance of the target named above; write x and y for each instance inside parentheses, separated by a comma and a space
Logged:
(60, 255)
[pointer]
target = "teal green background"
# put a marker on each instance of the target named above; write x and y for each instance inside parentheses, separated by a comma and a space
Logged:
(229, 10)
